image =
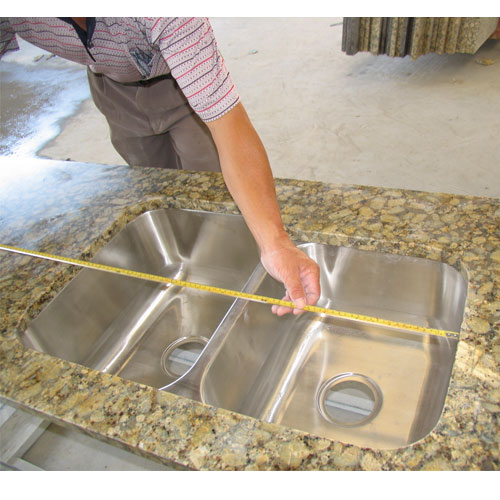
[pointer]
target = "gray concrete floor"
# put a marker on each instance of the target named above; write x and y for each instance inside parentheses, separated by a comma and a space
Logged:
(60, 449)
(429, 124)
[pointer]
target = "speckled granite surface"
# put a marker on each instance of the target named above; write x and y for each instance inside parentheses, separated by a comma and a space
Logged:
(416, 36)
(73, 209)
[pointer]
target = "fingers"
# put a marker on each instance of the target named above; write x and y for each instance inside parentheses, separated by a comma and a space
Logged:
(307, 289)
(300, 275)
(310, 280)
(305, 292)
(296, 292)
(282, 310)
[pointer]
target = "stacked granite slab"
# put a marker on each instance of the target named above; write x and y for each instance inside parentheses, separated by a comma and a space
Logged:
(416, 36)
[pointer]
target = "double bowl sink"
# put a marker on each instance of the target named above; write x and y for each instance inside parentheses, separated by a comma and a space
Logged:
(358, 382)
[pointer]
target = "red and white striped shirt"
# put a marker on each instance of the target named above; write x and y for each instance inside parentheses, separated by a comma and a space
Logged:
(131, 49)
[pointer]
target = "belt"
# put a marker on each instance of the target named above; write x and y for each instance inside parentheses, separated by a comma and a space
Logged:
(141, 83)
(150, 81)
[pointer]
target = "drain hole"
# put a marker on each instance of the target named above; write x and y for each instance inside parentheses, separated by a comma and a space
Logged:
(181, 355)
(350, 399)
(349, 402)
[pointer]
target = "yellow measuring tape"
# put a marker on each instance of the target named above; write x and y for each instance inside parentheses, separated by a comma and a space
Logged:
(230, 293)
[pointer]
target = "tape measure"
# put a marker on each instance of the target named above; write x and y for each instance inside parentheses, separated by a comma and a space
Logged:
(230, 293)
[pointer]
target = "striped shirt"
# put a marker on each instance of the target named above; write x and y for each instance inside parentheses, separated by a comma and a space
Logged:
(131, 49)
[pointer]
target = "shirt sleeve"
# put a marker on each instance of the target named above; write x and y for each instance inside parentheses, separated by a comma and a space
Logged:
(7, 37)
(190, 50)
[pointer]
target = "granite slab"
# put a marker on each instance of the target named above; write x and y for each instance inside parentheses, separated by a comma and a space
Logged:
(416, 36)
(73, 209)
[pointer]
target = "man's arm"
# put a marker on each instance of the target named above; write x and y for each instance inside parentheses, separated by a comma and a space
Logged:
(248, 176)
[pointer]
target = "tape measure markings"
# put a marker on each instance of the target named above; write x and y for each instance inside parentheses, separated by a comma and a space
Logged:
(223, 291)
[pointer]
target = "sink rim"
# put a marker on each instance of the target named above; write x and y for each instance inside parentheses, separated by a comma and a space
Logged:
(171, 387)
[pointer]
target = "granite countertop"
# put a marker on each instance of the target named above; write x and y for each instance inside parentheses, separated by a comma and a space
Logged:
(73, 209)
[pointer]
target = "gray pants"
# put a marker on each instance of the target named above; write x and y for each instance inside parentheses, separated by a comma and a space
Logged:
(152, 124)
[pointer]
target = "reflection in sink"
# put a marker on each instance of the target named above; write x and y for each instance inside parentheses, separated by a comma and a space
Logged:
(123, 325)
(360, 383)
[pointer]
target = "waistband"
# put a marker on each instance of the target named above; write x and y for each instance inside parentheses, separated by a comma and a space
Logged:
(150, 81)
(140, 83)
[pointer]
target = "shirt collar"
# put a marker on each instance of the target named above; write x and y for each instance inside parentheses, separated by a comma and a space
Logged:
(85, 36)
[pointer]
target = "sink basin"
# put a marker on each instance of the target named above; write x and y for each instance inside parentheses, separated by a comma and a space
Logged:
(124, 325)
(344, 379)
(339, 378)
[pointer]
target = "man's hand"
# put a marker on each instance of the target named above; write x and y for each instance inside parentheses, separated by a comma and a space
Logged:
(297, 272)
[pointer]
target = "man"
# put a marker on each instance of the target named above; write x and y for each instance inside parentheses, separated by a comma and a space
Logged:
(168, 97)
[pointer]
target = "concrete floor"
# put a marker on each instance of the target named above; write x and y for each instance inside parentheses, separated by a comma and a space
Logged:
(429, 124)
(61, 449)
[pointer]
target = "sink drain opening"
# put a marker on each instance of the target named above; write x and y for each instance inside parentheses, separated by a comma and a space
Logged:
(349, 399)
(181, 355)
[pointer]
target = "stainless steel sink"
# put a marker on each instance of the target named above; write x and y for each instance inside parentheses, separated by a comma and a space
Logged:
(123, 325)
(339, 378)
(356, 382)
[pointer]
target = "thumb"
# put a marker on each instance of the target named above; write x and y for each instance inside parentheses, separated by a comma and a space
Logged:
(297, 294)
